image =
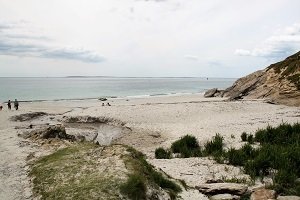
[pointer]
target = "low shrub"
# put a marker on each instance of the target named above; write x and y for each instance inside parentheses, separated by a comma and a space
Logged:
(215, 146)
(250, 139)
(244, 136)
(161, 153)
(135, 187)
(187, 146)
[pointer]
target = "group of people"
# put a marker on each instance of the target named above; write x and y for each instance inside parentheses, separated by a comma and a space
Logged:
(16, 105)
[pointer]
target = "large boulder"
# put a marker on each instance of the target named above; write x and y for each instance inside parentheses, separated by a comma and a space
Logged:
(222, 188)
(210, 93)
(263, 194)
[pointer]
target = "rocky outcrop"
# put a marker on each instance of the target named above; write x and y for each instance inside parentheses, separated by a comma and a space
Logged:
(214, 93)
(48, 132)
(278, 83)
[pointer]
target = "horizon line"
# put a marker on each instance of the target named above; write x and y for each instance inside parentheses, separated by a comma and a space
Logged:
(114, 77)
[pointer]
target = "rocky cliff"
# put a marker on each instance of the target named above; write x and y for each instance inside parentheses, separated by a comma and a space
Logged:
(278, 83)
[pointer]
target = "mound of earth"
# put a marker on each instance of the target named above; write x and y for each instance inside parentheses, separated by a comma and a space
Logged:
(89, 171)
(279, 83)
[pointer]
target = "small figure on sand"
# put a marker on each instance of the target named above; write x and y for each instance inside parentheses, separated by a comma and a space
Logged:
(102, 104)
(1, 107)
(9, 105)
(16, 104)
(108, 104)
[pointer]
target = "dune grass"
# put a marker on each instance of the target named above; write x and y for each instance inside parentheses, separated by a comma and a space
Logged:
(69, 174)
(277, 156)
(146, 175)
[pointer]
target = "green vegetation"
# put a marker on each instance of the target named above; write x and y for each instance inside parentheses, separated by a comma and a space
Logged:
(161, 153)
(295, 79)
(277, 156)
(288, 69)
(215, 146)
(135, 187)
(56, 176)
(82, 171)
(187, 146)
(244, 136)
(147, 175)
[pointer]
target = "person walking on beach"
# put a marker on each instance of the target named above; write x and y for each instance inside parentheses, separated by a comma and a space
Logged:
(16, 104)
(9, 105)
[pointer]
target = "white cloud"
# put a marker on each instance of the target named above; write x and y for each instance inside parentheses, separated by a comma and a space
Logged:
(284, 43)
(17, 40)
(192, 57)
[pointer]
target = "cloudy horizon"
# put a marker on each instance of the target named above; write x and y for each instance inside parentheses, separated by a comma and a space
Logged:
(145, 38)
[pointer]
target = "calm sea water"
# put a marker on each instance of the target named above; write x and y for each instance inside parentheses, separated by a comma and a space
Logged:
(26, 89)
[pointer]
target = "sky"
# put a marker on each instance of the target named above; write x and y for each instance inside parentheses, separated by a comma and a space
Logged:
(145, 38)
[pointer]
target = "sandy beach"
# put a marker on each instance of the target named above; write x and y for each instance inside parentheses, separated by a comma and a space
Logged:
(144, 123)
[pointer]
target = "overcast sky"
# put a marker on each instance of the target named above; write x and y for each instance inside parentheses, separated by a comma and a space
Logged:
(214, 38)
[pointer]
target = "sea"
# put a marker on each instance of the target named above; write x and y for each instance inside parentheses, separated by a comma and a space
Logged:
(77, 88)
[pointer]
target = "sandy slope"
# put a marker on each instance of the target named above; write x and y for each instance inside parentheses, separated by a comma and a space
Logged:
(155, 121)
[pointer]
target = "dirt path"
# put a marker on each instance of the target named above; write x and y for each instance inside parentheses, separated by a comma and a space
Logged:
(14, 183)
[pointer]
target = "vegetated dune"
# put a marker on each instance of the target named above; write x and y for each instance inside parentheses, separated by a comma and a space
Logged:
(279, 83)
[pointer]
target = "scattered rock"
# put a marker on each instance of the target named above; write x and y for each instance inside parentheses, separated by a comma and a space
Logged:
(210, 93)
(27, 116)
(288, 198)
(224, 197)
(263, 194)
(215, 181)
(221, 188)
(102, 99)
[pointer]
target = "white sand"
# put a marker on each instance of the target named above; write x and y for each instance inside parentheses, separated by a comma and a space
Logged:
(155, 121)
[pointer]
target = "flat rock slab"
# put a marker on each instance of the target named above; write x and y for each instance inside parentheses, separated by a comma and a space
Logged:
(221, 188)
(224, 197)
(288, 198)
(263, 194)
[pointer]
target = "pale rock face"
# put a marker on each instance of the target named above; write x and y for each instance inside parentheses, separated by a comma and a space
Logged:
(269, 84)
(263, 194)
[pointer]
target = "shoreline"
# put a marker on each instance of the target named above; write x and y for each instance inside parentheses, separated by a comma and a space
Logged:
(112, 97)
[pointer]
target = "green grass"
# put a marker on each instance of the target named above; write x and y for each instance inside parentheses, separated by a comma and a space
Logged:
(161, 153)
(277, 156)
(279, 152)
(186, 146)
(215, 146)
(244, 136)
(135, 187)
(136, 163)
(56, 176)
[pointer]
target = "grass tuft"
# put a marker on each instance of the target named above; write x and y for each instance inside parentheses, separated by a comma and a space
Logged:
(161, 153)
(187, 146)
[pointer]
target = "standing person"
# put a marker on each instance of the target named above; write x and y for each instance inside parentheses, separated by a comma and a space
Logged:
(16, 104)
(9, 105)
